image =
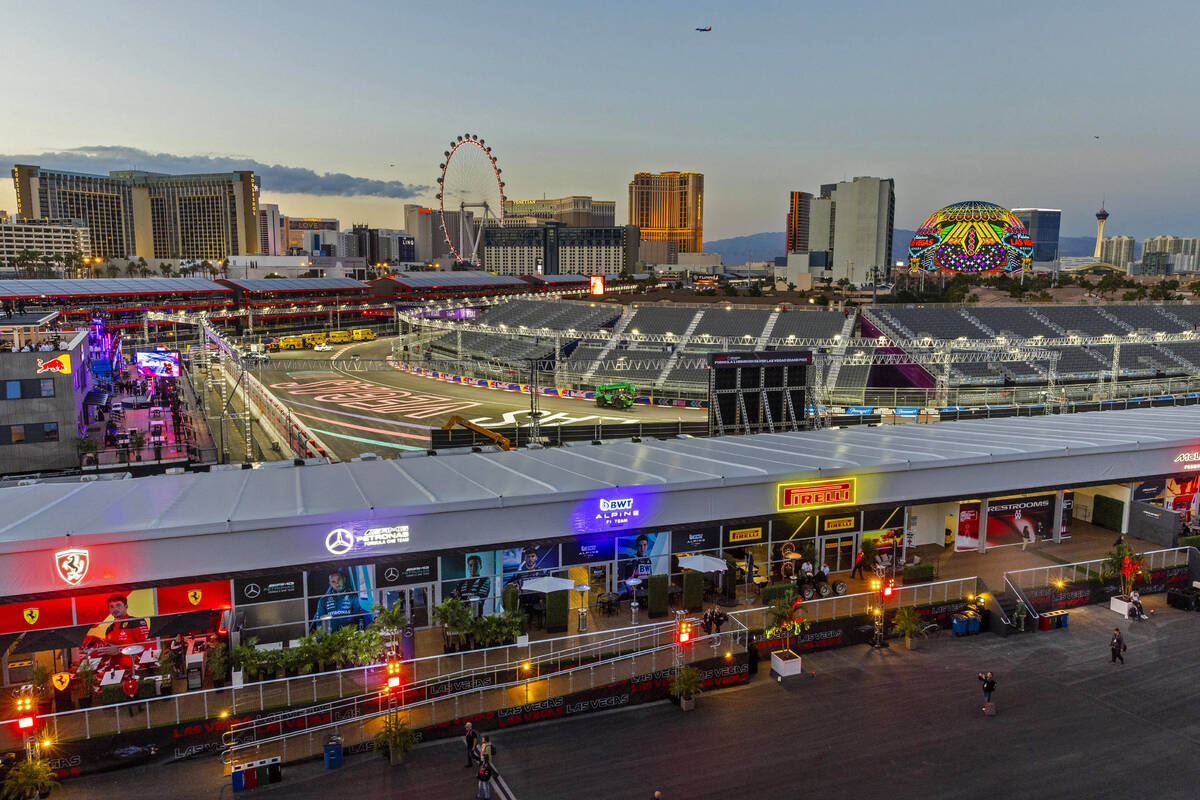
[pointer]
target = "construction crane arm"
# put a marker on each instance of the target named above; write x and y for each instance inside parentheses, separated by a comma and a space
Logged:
(500, 440)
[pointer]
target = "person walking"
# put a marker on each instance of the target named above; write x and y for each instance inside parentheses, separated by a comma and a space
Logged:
(1117, 646)
(859, 564)
(485, 775)
(471, 740)
(486, 751)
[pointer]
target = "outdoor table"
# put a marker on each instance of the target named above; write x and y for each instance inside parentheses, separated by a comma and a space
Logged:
(112, 678)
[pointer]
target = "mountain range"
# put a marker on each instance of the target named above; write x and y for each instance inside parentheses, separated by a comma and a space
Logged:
(739, 250)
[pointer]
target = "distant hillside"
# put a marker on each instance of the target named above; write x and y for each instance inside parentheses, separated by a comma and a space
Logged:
(766, 246)
(743, 249)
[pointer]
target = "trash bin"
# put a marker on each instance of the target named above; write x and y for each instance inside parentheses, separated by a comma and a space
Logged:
(958, 623)
(239, 781)
(333, 751)
(973, 622)
(1044, 622)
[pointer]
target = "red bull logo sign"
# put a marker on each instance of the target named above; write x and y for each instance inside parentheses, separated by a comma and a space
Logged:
(60, 364)
(806, 495)
(72, 564)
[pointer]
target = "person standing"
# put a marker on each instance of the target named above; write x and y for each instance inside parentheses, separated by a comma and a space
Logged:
(989, 685)
(859, 564)
(471, 740)
(1117, 646)
(486, 773)
(485, 753)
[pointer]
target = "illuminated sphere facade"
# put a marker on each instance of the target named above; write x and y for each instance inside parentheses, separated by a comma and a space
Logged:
(971, 237)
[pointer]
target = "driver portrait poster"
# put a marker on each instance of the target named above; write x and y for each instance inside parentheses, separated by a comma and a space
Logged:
(341, 595)
(642, 555)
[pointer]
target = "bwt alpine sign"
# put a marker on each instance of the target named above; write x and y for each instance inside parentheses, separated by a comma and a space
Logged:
(807, 495)
(618, 512)
(341, 541)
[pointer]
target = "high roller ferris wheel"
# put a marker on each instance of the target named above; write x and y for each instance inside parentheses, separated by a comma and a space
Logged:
(470, 185)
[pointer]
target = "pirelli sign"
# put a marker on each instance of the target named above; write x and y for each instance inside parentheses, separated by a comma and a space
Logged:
(808, 495)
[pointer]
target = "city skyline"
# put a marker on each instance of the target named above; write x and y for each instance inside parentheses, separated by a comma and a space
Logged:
(866, 109)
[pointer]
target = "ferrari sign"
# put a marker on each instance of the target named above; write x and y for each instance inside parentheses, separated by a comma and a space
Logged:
(31, 615)
(807, 495)
(61, 680)
(72, 564)
(194, 596)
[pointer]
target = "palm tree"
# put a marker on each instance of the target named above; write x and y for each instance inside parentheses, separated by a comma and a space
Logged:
(165, 268)
(131, 269)
(113, 269)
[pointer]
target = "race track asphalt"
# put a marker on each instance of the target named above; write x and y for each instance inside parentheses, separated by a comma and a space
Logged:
(360, 404)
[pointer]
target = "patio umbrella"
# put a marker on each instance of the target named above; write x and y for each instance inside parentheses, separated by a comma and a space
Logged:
(703, 563)
(546, 585)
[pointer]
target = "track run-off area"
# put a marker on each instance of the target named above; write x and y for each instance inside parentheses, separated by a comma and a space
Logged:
(363, 404)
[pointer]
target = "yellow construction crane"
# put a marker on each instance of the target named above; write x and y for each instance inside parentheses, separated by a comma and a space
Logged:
(500, 440)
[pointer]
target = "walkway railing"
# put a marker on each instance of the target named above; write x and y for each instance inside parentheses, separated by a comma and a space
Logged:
(1056, 574)
(269, 736)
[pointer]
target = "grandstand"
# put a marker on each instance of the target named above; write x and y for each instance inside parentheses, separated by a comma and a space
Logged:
(664, 348)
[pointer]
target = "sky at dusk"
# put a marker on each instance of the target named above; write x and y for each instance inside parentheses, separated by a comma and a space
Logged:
(956, 101)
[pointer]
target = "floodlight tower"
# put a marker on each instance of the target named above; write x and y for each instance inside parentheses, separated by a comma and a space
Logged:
(1101, 218)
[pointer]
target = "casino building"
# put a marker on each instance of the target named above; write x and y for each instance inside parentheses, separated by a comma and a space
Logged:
(274, 551)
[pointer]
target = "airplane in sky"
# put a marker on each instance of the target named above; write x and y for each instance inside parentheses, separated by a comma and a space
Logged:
(705, 30)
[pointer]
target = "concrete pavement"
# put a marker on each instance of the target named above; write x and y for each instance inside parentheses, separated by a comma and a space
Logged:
(861, 723)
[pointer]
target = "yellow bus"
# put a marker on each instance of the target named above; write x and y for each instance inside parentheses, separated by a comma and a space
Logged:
(291, 343)
(314, 339)
(339, 337)
(363, 335)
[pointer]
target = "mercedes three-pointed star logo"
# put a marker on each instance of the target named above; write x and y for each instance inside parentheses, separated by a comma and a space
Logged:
(339, 541)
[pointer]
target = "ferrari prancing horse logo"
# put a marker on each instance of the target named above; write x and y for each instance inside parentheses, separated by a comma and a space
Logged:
(194, 597)
(72, 564)
(31, 615)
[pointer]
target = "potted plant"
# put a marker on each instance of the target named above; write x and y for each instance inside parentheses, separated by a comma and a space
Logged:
(455, 618)
(85, 673)
(137, 440)
(166, 671)
(398, 738)
(89, 449)
(249, 658)
(28, 779)
(1122, 562)
(685, 686)
(366, 647)
(908, 623)
(216, 664)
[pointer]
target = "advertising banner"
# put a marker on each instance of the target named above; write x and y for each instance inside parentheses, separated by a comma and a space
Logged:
(471, 578)
(695, 541)
(36, 615)
(642, 555)
(405, 571)
(588, 549)
(340, 596)
(519, 564)
(264, 588)
(967, 537)
(1068, 511)
(1010, 521)
(193, 597)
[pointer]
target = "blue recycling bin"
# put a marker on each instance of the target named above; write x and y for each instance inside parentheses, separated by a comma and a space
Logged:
(958, 623)
(333, 751)
(973, 622)
(239, 781)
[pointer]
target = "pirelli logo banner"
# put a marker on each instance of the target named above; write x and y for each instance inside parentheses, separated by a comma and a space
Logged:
(807, 495)
(745, 535)
(841, 523)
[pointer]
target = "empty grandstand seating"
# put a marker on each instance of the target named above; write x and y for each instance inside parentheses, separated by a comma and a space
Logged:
(1011, 322)
(938, 323)
(805, 324)
(1145, 318)
(1084, 320)
(736, 323)
(659, 320)
(558, 315)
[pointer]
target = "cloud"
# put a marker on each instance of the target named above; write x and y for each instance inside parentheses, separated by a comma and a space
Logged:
(102, 159)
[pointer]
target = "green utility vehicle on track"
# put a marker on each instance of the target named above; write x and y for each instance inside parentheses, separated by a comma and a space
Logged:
(615, 395)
